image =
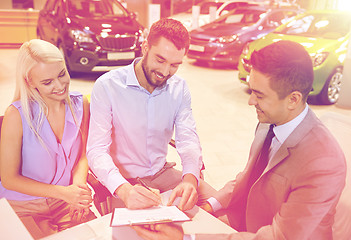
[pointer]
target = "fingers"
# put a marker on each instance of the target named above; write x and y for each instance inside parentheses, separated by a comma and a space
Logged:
(78, 214)
(188, 200)
(188, 195)
(160, 231)
(140, 197)
(154, 194)
(175, 193)
(145, 233)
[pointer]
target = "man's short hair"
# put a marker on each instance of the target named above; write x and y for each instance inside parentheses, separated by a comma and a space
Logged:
(170, 29)
(288, 65)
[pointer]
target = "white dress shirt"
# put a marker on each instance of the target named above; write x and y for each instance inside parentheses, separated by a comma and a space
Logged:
(130, 128)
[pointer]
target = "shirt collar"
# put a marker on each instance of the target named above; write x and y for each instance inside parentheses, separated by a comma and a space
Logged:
(282, 132)
(132, 79)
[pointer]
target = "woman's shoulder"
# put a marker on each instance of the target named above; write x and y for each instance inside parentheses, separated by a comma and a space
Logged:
(16, 104)
(12, 115)
(76, 98)
(75, 94)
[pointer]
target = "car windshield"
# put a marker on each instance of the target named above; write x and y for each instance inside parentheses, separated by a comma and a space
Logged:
(205, 6)
(241, 16)
(96, 8)
(330, 26)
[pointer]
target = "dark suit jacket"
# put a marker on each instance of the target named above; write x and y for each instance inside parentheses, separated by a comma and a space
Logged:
(296, 196)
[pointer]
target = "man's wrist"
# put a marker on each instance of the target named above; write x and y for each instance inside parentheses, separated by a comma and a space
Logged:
(123, 190)
(207, 207)
(190, 178)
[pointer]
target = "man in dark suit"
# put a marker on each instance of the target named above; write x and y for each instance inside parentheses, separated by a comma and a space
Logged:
(292, 191)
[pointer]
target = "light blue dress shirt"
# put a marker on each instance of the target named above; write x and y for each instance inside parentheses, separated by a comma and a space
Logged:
(130, 128)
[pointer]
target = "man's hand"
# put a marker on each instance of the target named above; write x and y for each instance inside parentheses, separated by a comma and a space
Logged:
(160, 232)
(187, 190)
(207, 207)
(138, 197)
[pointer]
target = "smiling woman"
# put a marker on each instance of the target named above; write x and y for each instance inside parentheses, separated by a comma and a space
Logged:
(42, 151)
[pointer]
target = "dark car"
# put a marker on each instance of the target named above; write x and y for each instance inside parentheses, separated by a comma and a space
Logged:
(223, 40)
(91, 34)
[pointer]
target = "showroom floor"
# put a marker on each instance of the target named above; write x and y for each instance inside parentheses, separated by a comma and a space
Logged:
(225, 122)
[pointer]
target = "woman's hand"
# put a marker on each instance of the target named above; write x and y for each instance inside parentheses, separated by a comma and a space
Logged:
(78, 214)
(79, 196)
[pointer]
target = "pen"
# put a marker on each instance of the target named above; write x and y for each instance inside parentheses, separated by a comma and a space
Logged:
(142, 183)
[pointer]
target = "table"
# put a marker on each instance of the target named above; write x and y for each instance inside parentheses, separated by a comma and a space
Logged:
(99, 229)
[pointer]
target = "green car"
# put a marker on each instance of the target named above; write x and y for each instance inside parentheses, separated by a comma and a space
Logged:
(325, 34)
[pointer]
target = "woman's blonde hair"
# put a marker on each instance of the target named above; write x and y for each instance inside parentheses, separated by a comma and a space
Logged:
(30, 54)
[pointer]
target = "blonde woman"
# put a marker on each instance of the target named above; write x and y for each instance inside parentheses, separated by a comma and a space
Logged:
(43, 167)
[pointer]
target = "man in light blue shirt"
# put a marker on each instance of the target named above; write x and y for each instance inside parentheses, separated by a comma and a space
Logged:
(134, 112)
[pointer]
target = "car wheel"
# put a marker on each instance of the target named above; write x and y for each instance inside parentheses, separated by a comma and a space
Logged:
(331, 90)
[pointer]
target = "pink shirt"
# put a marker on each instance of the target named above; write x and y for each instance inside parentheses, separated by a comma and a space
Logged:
(52, 165)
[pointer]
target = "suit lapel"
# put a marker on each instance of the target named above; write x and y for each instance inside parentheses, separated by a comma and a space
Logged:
(295, 137)
(256, 146)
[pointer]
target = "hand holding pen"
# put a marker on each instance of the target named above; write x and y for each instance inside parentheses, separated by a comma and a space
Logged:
(153, 190)
(137, 196)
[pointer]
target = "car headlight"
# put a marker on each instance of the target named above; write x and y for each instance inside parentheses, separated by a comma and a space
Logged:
(246, 48)
(143, 35)
(80, 36)
(319, 58)
(228, 39)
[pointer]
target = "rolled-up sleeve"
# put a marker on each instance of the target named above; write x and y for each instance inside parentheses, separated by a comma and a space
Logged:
(99, 139)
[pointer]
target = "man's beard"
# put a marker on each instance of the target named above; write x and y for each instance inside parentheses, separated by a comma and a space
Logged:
(148, 72)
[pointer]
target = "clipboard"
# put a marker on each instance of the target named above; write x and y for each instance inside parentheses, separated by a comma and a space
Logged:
(153, 215)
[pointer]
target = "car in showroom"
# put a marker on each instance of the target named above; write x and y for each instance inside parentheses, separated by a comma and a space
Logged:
(325, 34)
(222, 41)
(92, 35)
(186, 17)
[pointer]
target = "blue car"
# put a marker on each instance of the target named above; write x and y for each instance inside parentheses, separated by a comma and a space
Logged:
(222, 41)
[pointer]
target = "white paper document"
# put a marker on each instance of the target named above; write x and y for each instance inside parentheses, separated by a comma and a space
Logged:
(159, 214)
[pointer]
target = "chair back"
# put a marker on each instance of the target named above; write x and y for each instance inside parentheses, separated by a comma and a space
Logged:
(340, 127)
(1, 118)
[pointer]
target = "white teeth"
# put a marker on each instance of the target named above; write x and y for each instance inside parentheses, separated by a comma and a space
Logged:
(159, 76)
(61, 91)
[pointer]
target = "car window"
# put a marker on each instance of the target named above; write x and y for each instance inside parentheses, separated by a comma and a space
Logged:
(323, 25)
(88, 8)
(275, 19)
(243, 17)
(232, 6)
(205, 6)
